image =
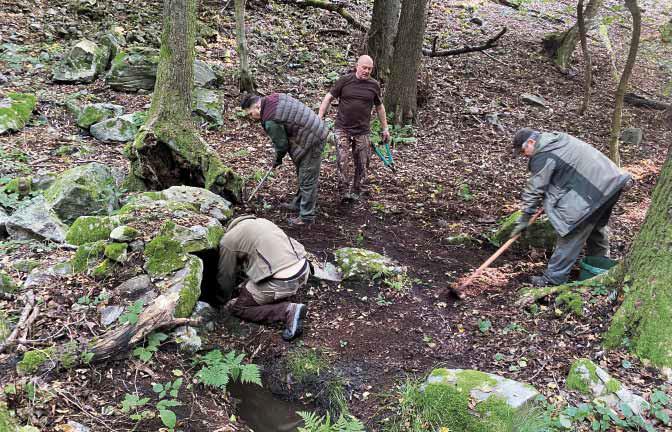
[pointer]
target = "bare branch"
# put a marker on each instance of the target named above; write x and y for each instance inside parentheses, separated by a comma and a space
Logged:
(490, 43)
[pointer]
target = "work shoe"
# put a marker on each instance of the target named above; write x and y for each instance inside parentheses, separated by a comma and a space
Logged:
(299, 221)
(540, 281)
(294, 325)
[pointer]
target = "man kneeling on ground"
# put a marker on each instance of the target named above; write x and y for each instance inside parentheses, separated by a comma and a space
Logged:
(275, 268)
(578, 186)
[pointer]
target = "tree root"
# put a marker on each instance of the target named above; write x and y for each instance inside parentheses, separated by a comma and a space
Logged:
(28, 315)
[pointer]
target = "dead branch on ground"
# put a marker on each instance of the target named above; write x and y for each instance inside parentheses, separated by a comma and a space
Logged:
(641, 101)
(490, 43)
(27, 317)
(333, 7)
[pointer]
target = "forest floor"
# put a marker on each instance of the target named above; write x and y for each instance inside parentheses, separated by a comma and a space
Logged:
(458, 177)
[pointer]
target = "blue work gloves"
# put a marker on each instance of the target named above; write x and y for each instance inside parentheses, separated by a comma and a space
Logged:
(522, 224)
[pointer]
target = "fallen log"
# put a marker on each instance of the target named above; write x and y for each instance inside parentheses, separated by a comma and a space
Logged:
(490, 43)
(641, 101)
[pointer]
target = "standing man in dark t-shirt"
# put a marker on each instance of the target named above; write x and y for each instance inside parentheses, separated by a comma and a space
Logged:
(357, 93)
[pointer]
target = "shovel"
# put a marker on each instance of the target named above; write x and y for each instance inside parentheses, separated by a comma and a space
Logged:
(458, 290)
(254, 192)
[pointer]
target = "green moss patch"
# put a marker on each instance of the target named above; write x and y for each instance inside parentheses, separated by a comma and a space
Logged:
(581, 375)
(15, 111)
(571, 302)
(7, 422)
(88, 256)
(164, 255)
(540, 234)
(7, 284)
(87, 229)
(32, 360)
(191, 288)
(365, 264)
(116, 251)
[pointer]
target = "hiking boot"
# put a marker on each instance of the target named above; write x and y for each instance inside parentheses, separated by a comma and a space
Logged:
(299, 221)
(294, 325)
(230, 304)
(540, 281)
(349, 197)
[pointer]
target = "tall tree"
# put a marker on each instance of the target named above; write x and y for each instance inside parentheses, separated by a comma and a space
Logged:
(401, 95)
(614, 152)
(561, 46)
(380, 38)
(587, 61)
(168, 150)
(245, 80)
(642, 322)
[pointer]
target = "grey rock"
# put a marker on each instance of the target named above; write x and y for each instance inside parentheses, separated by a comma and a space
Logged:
(514, 393)
(208, 106)
(533, 100)
(36, 220)
(198, 238)
(38, 277)
(187, 339)
(109, 314)
(206, 313)
(493, 120)
(3, 79)
(82, 63)
(133, 69)
(357, 263)
(204, 76)
(123, 233)
(118, 129)
(135, 286)
(95, 113)
(77, 427)
(326, 272)
(113, 42)
(208, 202)
(84, 190)
(476, 20)
(3, 220)
(632, 136)
(137, 245)
(42, 181)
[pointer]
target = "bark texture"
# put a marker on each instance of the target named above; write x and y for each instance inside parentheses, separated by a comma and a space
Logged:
(380, 38)
(614, 152)
(587, 61)
(401, 95)
(245, 80)
(642, 323)
(168, 150)
(561, 46)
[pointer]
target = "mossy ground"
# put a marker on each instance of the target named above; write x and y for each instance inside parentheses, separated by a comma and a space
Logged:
(87, 229)
(88, 256)
(32, 360)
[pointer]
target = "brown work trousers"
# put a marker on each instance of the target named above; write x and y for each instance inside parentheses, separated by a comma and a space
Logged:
(265, 308)
(352, 151)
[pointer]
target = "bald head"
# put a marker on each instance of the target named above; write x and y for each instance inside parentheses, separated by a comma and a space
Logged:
(364, 67)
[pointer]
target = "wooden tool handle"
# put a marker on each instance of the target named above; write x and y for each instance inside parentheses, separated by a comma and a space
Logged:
(496, 255)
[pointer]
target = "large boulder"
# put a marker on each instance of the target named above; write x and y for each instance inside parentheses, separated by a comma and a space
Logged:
(82, 63)
(97, 112)
(540, 234)
(207, 105)
(119, 129)
(133, 69)
(15, 111)
(475, 400)
(204, 76)
(590, 379)
(35, 219)
(84, 190)
(206, 201)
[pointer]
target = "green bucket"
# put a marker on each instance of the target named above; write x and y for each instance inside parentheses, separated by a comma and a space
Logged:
(594, 265)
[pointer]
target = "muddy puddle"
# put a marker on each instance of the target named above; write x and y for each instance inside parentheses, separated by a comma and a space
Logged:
(262, 411)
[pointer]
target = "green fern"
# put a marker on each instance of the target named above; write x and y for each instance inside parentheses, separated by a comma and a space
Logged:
(345, 423)
(218, 369)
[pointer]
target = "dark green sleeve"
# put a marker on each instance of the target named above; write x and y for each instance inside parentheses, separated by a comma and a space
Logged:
(278, 135)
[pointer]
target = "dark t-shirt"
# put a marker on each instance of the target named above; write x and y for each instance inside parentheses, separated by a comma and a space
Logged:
(356, 98)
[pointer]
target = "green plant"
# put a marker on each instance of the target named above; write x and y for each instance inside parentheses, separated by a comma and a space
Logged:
(398, 134)
(132, 404)
(465, 193)
(146, 352)
(382, 301)
(484, 325)
(217, 369)
(314, 423)
(132, 313)
(170, 388)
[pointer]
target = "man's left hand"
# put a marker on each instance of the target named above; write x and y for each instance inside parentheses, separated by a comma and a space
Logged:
(386, 135)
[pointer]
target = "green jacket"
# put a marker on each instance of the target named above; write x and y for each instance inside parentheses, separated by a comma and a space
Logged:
(257, 247)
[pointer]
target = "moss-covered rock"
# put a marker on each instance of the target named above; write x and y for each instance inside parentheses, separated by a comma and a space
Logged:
(119, 129)
(582, 376)
(206, 202)
(87, 229)
(7, 284)
(94, 113)
(5, 327)
(117, 252)
(164, 255)
(7, 422)
(88, 256)
(25, 265)
(365, 264)
(33, 360)
(35, 219)
(124, 233)
(15, 111)
(83, 190)
(571, 302)
(82, 63)
(195, 238)
(207, 105)
(187, 283)
(540, 234)
(103, 270)
(133, 69)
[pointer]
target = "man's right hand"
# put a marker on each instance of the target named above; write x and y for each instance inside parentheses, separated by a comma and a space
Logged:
(522, 224)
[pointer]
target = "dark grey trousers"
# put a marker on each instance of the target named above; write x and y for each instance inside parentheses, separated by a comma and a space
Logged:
(594, 233)
(308, 174)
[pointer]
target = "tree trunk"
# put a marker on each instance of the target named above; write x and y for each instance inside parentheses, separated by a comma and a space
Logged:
(401, 95)
(168, 150)
(587, 61)
(245, 81)
(560, 46)
(380, 39)
(614, 152)
(642, 323)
